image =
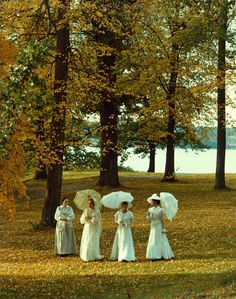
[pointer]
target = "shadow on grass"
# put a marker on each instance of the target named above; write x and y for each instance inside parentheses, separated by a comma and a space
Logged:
(77, 285)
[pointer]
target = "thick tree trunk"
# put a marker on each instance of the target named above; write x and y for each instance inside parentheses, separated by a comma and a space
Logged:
(169, 175)
(109, 109)
(109, 167)
(221, 120)
(152, 154)
(54, 181)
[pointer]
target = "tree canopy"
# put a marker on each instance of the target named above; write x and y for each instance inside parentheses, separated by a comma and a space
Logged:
(113, 74)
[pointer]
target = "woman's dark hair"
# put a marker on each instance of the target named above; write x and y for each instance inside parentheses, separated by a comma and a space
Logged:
(90, 198)
(62, 199)
(124, 203)
(156, 201)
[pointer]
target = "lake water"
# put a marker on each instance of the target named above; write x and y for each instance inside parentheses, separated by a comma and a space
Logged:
(185, 162)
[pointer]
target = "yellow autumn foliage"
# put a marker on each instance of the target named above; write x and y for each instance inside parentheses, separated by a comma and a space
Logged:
(11, 176)
(7, 53)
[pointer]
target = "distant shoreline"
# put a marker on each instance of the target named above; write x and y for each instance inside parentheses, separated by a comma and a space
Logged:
(187, 161)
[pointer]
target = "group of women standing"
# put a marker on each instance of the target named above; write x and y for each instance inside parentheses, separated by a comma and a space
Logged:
(123, 248)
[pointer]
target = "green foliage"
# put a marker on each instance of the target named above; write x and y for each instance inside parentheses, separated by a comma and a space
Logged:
(27, 89)
(125, 168)
(120, 51)
(25, 92)
(81, 159)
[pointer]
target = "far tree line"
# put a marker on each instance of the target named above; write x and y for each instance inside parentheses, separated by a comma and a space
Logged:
(150, 72)
(88, 157)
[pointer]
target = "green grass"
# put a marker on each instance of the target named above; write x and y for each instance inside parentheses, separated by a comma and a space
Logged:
(202, 237)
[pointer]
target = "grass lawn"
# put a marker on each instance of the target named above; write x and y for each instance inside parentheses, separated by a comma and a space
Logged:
(202, 237)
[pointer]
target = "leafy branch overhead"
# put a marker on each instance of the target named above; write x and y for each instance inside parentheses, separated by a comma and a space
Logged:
(109, 75)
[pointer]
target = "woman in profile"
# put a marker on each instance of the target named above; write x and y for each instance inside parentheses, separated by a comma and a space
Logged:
(158, 246)
(123, 247)
(65, 243)
(90, 241)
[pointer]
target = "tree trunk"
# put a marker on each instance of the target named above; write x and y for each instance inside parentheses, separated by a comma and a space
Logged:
(109, 168)
(221, 119)
(169, 175)
(108, 109)
(54, 180)
(152, 154)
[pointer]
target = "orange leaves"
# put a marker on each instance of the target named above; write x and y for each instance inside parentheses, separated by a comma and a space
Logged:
(11, 175)
(7, 202)
(7, 54)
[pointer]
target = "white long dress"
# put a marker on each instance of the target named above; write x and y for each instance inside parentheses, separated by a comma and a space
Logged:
(65, 242)
(123, 247)
(158, 246)
(90, 241)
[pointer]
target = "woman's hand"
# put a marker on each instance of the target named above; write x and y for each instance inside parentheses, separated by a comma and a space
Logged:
(63, 219)
(121, 223)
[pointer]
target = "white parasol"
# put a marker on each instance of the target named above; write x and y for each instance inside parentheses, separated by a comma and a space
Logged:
(114, 199)
(169, 204)
(82, 196)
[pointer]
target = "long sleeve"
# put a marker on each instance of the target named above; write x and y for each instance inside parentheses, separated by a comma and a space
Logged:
(57, 215)
(117, 217)
(82, 218)
(64, 212)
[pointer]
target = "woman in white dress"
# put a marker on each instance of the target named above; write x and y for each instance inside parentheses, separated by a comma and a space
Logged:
(158, 246)
(65, 243)
(123, 247)
(90, 241)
